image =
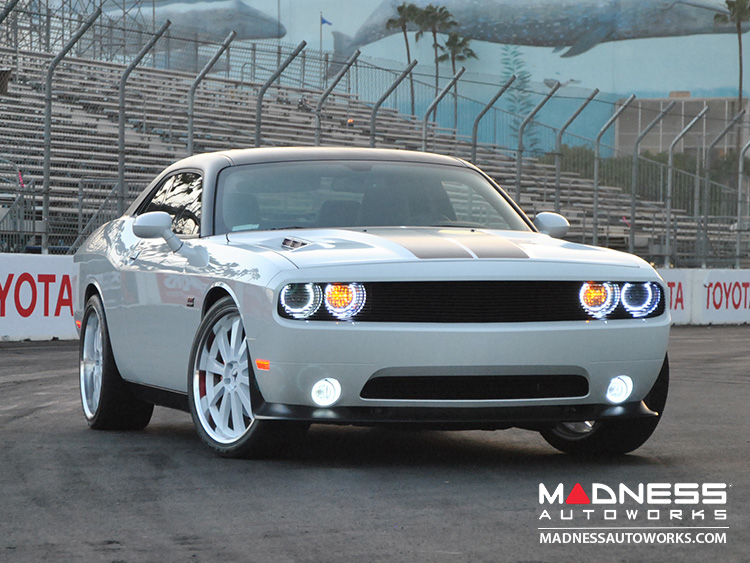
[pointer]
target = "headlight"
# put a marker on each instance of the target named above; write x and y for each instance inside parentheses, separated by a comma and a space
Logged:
(640, 299)
(621, 300)
(344, 301)
(599, 299)
(301, 300)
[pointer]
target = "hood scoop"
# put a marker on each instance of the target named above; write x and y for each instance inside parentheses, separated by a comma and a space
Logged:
(293, 243)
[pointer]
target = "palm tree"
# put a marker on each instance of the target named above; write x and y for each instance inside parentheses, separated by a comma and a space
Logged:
(435, 20)
(739, 11)
(407, 14)
(456, 50)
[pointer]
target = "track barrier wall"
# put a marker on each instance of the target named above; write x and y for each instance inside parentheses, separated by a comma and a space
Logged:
(707, 296)
(36, 297)
(37, 294)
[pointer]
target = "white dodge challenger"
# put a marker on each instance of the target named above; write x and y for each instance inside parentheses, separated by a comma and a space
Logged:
(264, 290)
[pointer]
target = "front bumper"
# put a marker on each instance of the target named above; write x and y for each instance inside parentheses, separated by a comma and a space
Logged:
(301, 353)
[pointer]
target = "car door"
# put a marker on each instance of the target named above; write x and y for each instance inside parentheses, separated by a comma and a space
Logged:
(157, 318)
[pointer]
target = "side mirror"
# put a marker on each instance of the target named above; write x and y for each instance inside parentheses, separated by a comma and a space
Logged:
(552, 224)
(157, 224)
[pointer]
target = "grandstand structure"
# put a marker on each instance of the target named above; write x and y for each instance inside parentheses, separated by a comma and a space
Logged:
(84, 185)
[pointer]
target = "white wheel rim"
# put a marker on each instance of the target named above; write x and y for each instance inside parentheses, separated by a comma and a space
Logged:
(91, 365)
(221, 381)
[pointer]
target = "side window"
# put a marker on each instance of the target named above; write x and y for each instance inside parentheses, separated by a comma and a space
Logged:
(180, 196)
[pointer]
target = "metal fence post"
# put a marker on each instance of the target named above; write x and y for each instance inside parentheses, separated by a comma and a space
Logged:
(707, 184)
(242, 69)
(48, 122)
(558, 146)
(384, 97)
(198, 79)
(7, 9)
(80, 205)
(267, 85)
(253, 59)
(597, 147)
(121, 192)
(670, 178)
(485, 109)
(740, 172)
(435, 103)
(524, 123)
(634, 177)
(319, 107)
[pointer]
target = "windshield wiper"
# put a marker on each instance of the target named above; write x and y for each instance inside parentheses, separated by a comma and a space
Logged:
(289, 228)
(460, 225)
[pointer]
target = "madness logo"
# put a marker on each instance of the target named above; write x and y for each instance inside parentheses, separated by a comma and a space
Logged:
(645, 501)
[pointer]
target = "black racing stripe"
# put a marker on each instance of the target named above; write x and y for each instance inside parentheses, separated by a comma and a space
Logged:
(485, 245)
(425, 245)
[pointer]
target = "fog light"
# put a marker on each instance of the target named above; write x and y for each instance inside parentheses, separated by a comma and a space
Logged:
(619, 389)
(326, 392)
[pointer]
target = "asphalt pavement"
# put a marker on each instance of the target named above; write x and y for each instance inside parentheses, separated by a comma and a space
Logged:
(354, 494)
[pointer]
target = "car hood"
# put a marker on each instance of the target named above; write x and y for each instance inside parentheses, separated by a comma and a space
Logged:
(313, 248)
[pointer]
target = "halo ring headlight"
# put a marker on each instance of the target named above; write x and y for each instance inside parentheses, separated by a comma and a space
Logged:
(599, 299)
(344, 301)
(301, 300)
(640, 299)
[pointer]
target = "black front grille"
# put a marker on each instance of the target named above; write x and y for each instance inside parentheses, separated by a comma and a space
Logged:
(475, 388)
(472, 302)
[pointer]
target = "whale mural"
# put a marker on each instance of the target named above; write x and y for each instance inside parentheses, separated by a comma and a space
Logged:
(217, 17)
(571, 26)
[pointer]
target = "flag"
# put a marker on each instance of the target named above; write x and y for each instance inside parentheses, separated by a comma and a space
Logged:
(324, 21)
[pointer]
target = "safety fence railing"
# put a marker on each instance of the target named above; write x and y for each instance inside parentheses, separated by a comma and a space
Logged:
(20, 219)
(703, 213)
(92, 218)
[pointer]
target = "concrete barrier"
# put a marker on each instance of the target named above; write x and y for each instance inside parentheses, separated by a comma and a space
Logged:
(36, 297)
(702, 297)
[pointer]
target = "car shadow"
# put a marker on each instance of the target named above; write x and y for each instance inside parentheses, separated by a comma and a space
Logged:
(347, 446)
(325, 446)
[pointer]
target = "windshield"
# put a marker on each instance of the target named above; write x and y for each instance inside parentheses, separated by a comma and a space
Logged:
(352, 194)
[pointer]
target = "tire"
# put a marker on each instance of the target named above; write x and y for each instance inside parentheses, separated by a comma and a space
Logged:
(219, 390)
(107, 403)
(612, 437)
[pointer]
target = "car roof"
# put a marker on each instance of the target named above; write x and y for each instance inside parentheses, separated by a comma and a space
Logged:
(289, 154)
(211, 163)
